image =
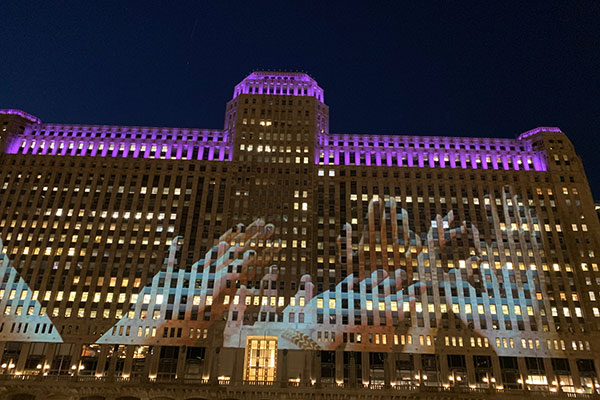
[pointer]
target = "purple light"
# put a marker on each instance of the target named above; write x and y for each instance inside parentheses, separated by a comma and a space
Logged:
(126, 142)
(279, 83)
(13, 146)
(538, 130)
(432, 152)
(331, 149)
(22, 114)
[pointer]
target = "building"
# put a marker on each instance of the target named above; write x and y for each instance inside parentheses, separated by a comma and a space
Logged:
(273, 258)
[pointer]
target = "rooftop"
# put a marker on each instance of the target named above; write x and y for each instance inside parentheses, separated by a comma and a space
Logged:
(279, 83)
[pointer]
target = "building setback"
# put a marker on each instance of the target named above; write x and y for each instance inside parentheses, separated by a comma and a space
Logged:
(273, 258)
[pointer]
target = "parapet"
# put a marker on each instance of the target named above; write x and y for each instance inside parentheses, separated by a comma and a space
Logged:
(279, 83)
(22, 114)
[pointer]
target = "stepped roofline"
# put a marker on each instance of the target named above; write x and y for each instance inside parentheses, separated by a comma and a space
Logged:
(279, 83)
(21, 113)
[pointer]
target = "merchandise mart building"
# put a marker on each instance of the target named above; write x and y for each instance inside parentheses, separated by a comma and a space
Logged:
(273, 256)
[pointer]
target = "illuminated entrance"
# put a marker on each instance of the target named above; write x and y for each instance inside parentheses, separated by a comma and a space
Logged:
(261, 358)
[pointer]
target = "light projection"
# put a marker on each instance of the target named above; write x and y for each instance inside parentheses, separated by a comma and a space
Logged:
(489, 283)
(23, 319)
(163, 310)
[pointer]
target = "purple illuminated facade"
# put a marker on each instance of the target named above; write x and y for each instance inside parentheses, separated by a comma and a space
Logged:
(274, 256)
(430, 152)
(332, 149)
(270, 83)
(127, 142)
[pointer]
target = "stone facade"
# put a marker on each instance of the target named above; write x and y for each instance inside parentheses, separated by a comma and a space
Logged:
(274, 258)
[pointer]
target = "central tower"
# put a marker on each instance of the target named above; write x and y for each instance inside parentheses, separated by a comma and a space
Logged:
(276, 118)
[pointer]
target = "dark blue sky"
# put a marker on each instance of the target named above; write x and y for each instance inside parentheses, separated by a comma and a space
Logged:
(440, 68)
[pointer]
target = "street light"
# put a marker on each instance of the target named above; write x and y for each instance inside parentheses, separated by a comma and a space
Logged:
(419, 377)
(454, 378)
(489, 380)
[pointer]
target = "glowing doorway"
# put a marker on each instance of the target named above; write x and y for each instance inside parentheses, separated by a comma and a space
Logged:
(261, 358)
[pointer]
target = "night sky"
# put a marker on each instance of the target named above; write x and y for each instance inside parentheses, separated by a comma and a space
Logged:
(441, 68)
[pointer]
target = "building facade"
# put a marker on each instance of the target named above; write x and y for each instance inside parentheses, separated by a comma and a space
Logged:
(273, 258)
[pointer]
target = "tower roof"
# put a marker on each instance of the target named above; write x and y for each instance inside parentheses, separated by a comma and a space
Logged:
(279, 83)
(20, 113)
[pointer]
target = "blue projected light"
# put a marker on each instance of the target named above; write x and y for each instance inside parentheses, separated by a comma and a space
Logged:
(391, 274)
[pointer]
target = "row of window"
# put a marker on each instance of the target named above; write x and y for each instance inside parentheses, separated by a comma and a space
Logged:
(446, 143)
(466, 161)
(173, 134)
(277, 88)
(136, 150)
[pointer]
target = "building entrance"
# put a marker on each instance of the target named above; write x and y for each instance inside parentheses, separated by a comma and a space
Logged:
(261, 358)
